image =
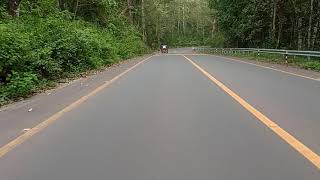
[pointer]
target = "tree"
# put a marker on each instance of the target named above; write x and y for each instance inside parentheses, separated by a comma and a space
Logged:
(130, 9)
(289, 24)
(310, 23)
(174, 21)
(13, 7)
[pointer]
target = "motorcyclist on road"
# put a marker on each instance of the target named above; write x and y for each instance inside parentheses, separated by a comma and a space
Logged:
(163, 48)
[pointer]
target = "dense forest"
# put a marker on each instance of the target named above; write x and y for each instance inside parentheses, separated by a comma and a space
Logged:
(288, 24)
(175, 22)
(285, 24)
(42, 41)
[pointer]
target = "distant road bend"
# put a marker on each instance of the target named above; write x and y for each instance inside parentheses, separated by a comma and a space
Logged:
(179, 116)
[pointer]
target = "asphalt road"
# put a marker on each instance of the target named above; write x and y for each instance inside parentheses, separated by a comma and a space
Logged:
(165, 120)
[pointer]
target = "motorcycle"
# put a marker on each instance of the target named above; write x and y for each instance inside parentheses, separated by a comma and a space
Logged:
(164, 49)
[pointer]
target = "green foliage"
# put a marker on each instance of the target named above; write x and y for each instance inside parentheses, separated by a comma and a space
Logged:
(37, 49)
(14, 47)
(70, 47)
(130, 46)
(308, 64)
(217, 41)
(20, 84)
(174, 22)
(41, 8)
(3, 13)
(186, 41)
(269, 23)
(96, 11)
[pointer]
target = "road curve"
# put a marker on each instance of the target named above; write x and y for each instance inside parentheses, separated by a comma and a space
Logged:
(164, 120)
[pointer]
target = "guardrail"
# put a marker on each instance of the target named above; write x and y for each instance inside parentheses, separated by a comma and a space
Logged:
(285, 53)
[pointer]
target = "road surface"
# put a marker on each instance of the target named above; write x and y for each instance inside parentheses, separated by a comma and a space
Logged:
(166, 120)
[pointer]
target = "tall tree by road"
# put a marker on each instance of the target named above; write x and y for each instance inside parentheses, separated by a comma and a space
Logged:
(291, 24)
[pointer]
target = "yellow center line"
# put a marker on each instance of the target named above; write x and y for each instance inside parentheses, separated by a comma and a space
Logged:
(291, 140)
(47, 122)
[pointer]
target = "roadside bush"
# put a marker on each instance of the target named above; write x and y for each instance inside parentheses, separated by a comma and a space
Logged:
(2, 9)
(36, 49)
(311, 65)
(130, 46)
(3, 13)
(217, 41)
(20, 85)
(14, 47)
(61, 48)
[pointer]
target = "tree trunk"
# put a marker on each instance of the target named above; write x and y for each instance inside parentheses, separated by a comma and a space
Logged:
(143, 21)
(76, 9)
(299, 33)
(213, 30)
(315, 32)
(203, 32)
(316, 28)
(197, 27)
(130, 10)
(13, 7)
(183, 21)
(279, 33)
(310, 24)
(61, 4)
(274, 19)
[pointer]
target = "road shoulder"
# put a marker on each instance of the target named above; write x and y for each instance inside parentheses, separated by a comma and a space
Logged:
(278, 67)
(19, 117)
